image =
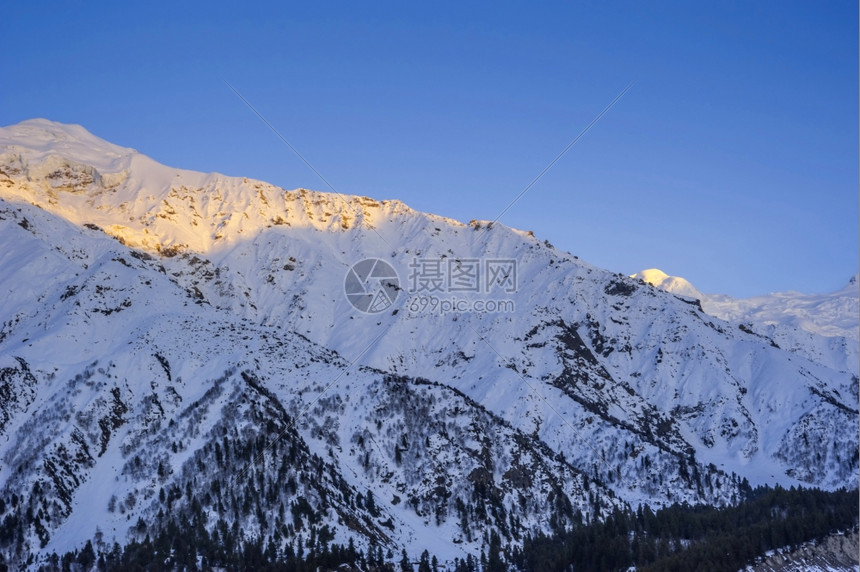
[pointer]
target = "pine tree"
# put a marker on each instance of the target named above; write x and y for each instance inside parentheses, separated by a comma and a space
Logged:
(424, 563)
(87, 556)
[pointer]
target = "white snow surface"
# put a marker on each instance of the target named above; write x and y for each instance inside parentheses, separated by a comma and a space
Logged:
(829, 315)
(116, 265)
(824, 327)
(673, 284)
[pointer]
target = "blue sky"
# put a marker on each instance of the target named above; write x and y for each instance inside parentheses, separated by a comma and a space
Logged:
(732, 161)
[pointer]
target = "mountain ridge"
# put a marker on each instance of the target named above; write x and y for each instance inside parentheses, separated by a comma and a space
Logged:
(767, 307)
(594, 376)
(822, 327)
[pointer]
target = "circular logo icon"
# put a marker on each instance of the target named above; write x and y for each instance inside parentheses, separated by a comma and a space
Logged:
(371, 285)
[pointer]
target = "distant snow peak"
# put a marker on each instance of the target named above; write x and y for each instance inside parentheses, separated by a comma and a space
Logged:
(673, 284)
(829, 315)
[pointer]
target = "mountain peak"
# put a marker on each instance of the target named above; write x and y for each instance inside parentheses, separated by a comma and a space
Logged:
(663, 281)
(40, 137)
(69, 171)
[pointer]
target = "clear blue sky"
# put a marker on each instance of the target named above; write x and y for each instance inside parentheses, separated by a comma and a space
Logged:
(732, 161)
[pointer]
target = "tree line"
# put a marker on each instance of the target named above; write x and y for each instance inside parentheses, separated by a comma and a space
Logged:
(676, 538)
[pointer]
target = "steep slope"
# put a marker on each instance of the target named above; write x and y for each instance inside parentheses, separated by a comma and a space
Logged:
(135, 398)
(580, 384)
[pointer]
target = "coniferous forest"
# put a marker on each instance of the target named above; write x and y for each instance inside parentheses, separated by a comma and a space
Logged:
(677, 538)
(696, 538)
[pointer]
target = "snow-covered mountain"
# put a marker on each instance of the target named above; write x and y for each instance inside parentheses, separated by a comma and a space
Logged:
(673, 284)
(830, 315)
(180, 343)
(823, 327)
